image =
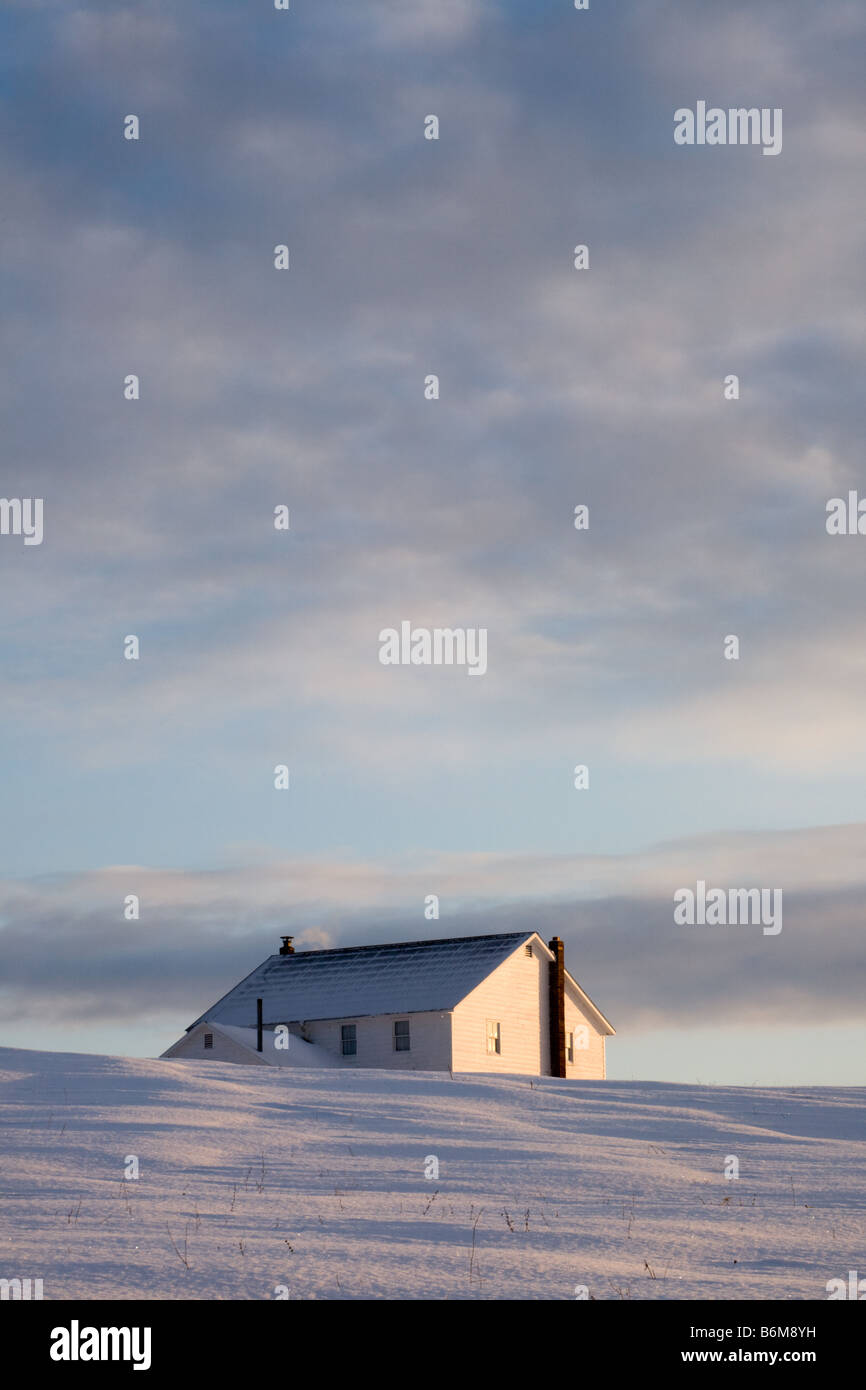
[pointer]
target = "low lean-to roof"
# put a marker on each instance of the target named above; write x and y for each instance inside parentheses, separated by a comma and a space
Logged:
(298, 1053)
(361, 981)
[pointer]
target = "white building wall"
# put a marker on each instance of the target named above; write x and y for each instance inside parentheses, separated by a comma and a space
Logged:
(588, 1064)
(429, 1036)
(516, 996)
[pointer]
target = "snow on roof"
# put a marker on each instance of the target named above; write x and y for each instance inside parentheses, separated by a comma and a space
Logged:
(360, 981)
(299, 1052)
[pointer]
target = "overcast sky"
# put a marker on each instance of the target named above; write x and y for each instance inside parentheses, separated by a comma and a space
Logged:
(558, 387)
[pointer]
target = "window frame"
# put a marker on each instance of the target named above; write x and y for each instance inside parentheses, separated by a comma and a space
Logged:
(348, 1044)
(398, 1037)
(494, 1037)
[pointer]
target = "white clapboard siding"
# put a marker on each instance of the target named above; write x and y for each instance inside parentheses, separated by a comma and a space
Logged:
(515, 995)
(429, 1038)
(588, 1064)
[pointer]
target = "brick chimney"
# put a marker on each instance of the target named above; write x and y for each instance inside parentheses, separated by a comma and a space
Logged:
(287, 949)
(557, 1008)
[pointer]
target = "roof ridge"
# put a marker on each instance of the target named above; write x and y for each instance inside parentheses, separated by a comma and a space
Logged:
(395, 945)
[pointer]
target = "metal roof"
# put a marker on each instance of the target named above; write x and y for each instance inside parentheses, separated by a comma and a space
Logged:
(361, 981)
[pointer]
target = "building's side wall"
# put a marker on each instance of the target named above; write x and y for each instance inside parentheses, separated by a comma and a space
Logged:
(224, 1049)
(429, 1037)
(588, 1064)
(515, 995)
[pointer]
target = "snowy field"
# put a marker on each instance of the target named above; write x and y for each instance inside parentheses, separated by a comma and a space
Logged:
(255, 1181)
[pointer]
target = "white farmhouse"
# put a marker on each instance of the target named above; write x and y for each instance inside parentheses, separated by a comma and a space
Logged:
(503, 1003)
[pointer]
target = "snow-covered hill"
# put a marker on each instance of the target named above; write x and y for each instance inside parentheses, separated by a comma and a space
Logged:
(253, 1181)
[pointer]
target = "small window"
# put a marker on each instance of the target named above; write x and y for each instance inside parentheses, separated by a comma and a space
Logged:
(569, 1047)
(208, 1040)
(401, 1035)
(494, 1037)
(349, 1039)
(528, 948)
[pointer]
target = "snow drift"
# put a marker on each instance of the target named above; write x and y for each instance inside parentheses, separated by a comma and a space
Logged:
(263, 1183)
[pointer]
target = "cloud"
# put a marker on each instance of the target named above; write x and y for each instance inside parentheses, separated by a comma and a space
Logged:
(558, 387)
(73, 958)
